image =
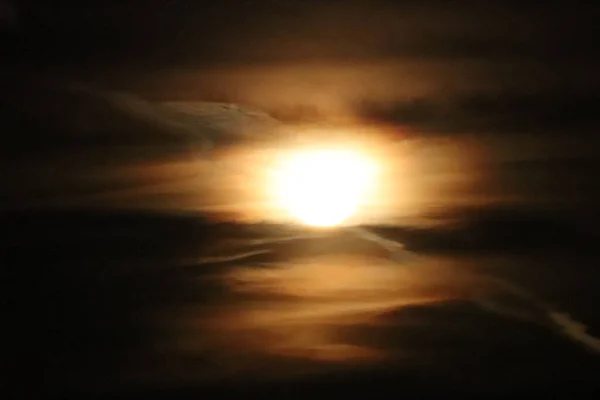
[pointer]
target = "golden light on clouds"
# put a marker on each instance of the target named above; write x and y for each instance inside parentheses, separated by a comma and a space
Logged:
(299, 317)
(323, 187)
(322, 176)
(317, 175)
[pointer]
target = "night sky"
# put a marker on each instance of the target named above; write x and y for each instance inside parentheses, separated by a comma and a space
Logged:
(138, 256)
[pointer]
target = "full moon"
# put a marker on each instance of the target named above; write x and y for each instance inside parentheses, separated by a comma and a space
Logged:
(323, 188)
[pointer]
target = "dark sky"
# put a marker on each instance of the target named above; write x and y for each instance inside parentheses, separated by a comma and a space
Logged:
(184, 31)
(488, 58)
(494, 103)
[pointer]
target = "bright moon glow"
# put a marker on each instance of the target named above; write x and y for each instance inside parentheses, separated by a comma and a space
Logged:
(323, 187)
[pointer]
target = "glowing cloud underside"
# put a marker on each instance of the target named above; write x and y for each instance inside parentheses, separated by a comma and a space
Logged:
(323, 187)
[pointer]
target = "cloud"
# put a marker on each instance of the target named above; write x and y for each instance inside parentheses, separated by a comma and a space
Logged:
(95, 146)
(575, 330)
(501, 229)
(518, 303)
(546, 111)
(54, 115)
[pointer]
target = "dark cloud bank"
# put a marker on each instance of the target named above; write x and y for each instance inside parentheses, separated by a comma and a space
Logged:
(85, 307)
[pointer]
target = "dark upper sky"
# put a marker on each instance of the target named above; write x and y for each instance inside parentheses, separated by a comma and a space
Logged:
(192, 32)
(490, 58)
